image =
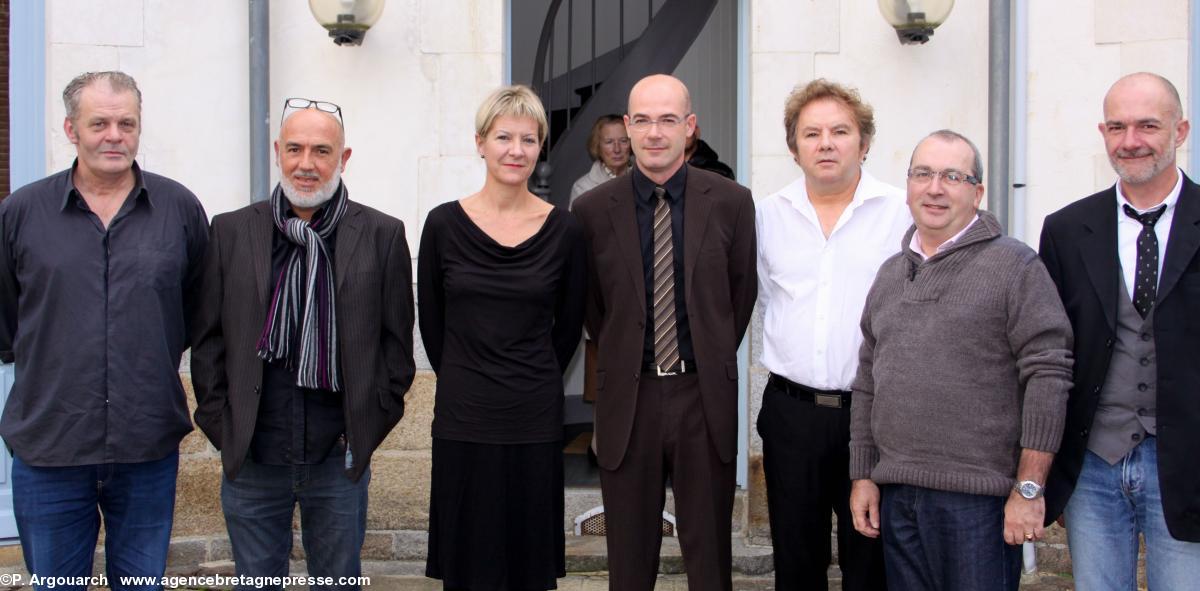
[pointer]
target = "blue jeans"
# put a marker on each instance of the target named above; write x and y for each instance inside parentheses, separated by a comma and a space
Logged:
(58, 511)
(258, 508)
(1110, 506)
(938, 540)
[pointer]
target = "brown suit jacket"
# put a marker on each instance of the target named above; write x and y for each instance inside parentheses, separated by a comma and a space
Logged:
(372, 272)
(720, 283)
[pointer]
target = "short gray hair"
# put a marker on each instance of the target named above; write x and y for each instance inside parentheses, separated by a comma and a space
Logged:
(118, 81)
(950, 135)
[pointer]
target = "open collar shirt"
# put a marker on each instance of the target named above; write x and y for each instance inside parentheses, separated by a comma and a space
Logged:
(812, 289)
(96, 319)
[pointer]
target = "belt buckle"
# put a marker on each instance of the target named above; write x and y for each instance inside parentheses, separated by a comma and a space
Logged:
(827, 400)
(663, 374)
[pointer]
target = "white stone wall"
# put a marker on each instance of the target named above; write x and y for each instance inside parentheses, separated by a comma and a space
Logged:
(1077, 49)
(408, 94)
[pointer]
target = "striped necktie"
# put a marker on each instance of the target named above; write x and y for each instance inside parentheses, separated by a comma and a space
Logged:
(666, 342)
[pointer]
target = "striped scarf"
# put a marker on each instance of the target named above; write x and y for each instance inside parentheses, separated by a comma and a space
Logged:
(304, 297)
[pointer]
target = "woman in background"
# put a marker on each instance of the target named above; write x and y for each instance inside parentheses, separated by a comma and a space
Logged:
(609, 148)
(500, 281)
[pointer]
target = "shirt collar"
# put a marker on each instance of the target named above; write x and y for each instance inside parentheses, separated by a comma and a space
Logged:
(1172, 197)
(915, 244)
(868, 188)
(644, 187)
(139, 185)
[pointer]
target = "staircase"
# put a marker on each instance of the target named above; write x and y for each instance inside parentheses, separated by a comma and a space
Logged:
(598, 83)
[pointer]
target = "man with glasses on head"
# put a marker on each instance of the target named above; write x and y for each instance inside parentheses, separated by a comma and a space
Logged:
(98, 266)
(961, 391)
(303, 353)
(672, 289)
(821, 240)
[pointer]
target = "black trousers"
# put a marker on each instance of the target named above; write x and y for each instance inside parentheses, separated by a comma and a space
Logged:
(670, 436)
(806, 458)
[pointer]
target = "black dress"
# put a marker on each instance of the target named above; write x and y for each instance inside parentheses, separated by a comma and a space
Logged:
(499, 325)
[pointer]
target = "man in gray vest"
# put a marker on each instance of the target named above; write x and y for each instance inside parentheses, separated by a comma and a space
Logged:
(1125, 264)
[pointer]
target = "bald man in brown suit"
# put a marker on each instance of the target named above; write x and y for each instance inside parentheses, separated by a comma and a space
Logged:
(673, 284)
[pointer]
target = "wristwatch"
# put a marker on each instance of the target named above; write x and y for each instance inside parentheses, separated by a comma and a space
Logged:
(1029, 489)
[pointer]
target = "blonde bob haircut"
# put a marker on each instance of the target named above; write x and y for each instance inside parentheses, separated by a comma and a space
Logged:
(517, 100)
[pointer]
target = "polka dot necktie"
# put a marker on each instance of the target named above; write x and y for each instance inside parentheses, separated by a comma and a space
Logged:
(1145, 277)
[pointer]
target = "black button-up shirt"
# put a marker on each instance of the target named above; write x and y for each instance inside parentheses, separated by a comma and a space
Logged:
(95, 320)
(644, 187)
(295, 425)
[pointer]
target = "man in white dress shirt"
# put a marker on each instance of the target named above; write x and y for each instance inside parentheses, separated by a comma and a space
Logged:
(821, 240)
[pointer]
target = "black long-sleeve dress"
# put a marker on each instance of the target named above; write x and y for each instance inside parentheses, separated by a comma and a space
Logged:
(500, 325)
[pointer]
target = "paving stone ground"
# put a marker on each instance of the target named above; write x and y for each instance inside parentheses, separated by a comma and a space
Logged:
(599, 582)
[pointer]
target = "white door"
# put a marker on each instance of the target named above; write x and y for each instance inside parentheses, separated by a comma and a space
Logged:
(8, 521)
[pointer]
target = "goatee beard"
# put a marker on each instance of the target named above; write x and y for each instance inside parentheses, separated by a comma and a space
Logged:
(315, 199)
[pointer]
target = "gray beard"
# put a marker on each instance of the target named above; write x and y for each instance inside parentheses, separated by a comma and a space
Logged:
(311, 200)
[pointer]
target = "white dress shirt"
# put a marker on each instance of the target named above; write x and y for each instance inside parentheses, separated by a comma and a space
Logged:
(813, 289)
(1129, 228)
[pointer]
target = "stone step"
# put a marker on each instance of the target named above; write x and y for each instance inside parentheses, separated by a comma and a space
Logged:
(579, 500)
(589, 554)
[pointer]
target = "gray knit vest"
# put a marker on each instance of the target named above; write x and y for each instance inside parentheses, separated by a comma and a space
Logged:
(1127, 401)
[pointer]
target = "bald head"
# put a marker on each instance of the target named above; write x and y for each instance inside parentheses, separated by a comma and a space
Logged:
(659, 123)
(314, 121)
(661, 86)
(1146, 84)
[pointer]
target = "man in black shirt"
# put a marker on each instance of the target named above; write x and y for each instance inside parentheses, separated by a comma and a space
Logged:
(672, 286)
(97, 266)
(303, 353)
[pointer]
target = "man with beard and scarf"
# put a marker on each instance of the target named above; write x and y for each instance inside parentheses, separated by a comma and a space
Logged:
(303, 353)
(1126, 265)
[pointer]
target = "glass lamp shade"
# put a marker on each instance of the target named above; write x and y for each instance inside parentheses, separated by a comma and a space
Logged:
(346, 20)
(915, 20)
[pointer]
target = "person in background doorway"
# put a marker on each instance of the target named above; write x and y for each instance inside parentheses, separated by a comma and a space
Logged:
(701, 155)
(608, 145)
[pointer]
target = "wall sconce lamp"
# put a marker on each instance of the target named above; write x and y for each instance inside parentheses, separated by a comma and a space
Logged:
(346, 20)
(915, 20)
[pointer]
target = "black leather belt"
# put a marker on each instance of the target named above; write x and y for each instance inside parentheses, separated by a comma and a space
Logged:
(684, 367)
(826, 398)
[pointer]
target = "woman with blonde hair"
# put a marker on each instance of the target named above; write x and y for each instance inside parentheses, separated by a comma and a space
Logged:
(608, 145)
(500, 282)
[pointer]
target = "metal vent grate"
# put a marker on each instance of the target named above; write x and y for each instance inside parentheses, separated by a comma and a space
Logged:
(591, 523)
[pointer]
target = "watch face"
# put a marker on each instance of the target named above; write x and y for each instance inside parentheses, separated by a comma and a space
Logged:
(1029, 489)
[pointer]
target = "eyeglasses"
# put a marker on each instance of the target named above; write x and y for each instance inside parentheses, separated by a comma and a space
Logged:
(922, 176)
(299, 104)
(665, 123)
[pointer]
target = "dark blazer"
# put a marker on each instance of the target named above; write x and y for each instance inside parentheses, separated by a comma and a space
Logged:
(720, 283)
(372, 272)
(1079, 247)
